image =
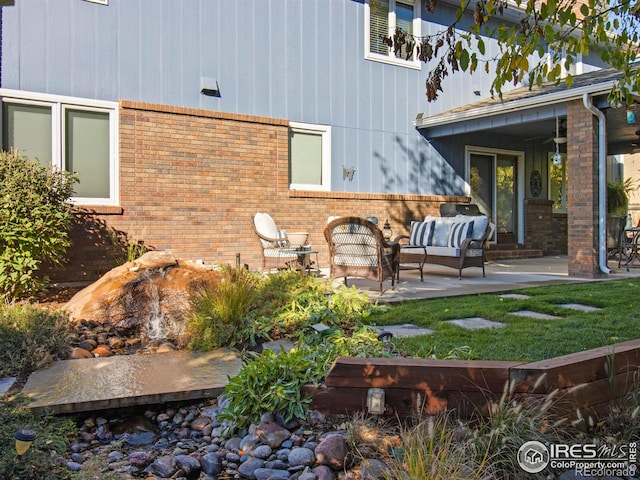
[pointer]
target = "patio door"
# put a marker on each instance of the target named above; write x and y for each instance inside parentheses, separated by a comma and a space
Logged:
(494, 185)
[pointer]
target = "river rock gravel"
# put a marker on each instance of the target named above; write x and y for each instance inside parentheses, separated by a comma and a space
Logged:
(191, 442)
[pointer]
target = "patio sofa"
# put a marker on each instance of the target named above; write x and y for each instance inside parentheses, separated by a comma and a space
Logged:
(457, 241)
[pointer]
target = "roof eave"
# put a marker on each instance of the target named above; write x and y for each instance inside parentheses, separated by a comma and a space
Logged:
(513, 105)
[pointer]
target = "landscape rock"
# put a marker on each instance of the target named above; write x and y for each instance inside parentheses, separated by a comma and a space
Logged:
(374, 469)
(270, 474)
(301, 456)
(78, 352)
(150, 294)
(248, 468)
(332, 451)
(211, 464)
(323, 472)
(164, 466)
(272, 434)
(190, 466)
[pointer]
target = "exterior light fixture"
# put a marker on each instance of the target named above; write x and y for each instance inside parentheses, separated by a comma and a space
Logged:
(386, 230)
(24, 438)
(375, 401)
(209, 87)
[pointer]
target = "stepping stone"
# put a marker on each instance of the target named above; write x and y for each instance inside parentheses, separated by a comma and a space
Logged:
(516, 296)
(87, 384)
(582, 308)
(475, 323)
(278, 345)
(6, 384)
(405, 330)
(536, 315)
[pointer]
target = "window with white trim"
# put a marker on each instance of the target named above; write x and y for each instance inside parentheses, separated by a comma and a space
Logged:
(381, 19)
(71, 134)
(309, 157)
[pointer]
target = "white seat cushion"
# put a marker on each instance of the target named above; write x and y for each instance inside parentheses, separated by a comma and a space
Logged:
(442, 251)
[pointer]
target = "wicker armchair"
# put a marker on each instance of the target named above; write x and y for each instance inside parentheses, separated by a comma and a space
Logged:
(358, 249)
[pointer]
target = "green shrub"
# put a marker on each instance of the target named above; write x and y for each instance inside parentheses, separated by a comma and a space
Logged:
(222, 313)
(41, 460)
(273, 382)
(35, 219)
(293, 301)
(30, 338)
(247, 306)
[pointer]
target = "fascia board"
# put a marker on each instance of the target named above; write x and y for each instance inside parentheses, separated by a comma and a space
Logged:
(512, 106)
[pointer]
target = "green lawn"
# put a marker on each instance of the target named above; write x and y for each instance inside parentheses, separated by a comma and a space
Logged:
(523, 338)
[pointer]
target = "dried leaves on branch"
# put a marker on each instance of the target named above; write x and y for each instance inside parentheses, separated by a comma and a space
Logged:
(544, 45)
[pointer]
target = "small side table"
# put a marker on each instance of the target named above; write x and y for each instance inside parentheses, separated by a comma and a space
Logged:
(304, 257)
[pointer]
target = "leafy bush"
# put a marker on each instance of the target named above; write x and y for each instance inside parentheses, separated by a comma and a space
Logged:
(246, 306)
(30, 338)
(41, 460)
(273, 382)
(35, 219)
(292, 302)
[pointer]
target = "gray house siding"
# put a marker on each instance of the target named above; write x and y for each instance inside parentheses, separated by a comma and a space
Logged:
(301, 60)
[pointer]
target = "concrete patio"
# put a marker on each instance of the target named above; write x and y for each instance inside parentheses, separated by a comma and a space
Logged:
(501, 276)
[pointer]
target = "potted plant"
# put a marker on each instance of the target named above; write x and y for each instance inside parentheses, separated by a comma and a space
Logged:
(618, 197)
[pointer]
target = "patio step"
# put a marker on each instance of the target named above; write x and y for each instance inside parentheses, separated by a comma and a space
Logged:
(511, 252)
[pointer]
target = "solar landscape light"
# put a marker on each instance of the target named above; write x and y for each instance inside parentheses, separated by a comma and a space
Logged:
(24, 438)
(375, 401)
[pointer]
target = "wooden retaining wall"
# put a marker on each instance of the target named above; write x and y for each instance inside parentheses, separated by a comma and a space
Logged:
(589, 381)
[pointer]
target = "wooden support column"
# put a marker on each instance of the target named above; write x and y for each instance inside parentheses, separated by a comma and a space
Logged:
(582, 191)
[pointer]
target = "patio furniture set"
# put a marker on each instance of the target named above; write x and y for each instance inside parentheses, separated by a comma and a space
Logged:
(623, 241)
(358, 248)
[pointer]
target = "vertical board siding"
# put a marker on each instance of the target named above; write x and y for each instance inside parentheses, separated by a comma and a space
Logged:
(300, 60)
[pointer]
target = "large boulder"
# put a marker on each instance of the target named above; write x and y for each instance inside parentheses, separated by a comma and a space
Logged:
(149, 296)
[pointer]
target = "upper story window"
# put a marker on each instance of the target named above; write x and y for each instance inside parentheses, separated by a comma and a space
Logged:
(575, 68)
(71, 134)
(309, 157)
(382, 17)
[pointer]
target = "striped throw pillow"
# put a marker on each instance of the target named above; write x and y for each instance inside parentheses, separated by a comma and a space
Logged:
(421, 233)
(459, 231)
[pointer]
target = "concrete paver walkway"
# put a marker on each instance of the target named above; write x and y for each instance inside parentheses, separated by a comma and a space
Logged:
(127, 380)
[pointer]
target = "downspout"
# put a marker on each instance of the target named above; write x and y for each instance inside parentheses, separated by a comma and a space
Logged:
(602, 182)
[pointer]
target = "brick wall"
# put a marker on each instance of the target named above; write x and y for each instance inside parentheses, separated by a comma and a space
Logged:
(545, 230)
(582, 191)
(191, 179)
